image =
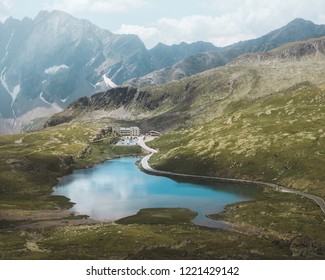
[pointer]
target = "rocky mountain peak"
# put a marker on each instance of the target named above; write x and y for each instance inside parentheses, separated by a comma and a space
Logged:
(300, 21)
(44, 15)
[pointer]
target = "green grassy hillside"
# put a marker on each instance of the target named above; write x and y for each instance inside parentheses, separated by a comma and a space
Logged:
(280, 138)
(31, 163)
(33, 224)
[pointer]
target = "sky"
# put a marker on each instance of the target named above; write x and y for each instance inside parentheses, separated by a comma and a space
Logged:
(221, 22)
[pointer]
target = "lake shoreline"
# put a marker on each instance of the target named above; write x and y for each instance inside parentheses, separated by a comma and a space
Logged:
(212, 196)
(147, 168)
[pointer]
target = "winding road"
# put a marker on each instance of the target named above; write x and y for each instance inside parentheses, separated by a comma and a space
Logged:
(148, 168)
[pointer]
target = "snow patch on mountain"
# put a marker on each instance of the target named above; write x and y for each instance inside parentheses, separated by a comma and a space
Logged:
(3, 79)
(105, 84)
(55, 69)
(9, 42)
(16, 89)
(64, 100)
(15, 93)
(4, 58)
(7, 46)
(109, 82)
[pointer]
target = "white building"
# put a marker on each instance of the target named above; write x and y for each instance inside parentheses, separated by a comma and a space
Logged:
(133, 131)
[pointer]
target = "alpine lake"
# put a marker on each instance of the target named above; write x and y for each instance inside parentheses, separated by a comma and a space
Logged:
(118, 188)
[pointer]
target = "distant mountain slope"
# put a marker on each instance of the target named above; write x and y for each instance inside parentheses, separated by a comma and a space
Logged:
(166, 56)
(203, 97)
(297, 30)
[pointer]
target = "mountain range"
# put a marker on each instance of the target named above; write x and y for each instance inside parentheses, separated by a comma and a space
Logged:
(54, 59)
(296, 30)
(260, 117)
(203, 97)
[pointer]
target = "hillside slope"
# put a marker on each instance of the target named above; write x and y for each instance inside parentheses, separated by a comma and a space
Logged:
(280, 138)
(266, 122)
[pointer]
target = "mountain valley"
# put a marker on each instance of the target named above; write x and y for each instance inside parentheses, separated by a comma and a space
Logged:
(258, 115)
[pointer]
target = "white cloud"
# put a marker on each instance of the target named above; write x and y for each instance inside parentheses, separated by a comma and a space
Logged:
(233, 20)
(219, 30)
(97, 6)
(5, 6)
(261, 15)
(188, 29)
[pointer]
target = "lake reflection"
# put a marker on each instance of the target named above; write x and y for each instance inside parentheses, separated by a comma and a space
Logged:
(117, 189)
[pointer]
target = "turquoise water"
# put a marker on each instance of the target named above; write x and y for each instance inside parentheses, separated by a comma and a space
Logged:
(117, 188)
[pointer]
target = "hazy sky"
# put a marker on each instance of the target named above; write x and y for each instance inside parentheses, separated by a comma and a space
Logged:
(221, 22)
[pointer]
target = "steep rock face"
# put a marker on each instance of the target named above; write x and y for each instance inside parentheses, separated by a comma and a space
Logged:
(54, 59)
(133, 103)
(113, 98)
(121, 103)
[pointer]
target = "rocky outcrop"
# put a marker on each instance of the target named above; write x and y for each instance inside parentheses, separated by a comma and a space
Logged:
(84, 152)
(23, 164)
(304, 246)
(66, 164)
(102, 133)
(131, 100)
(58, 119)
(114, 98)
